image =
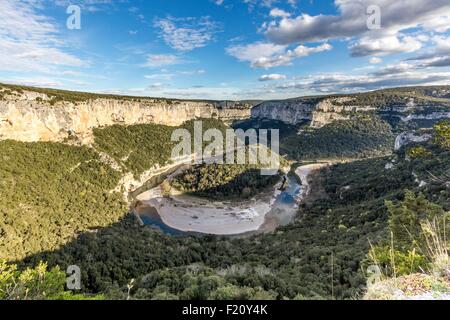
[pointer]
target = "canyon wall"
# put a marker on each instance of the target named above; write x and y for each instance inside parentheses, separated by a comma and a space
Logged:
(318, 111)
(288, 111)
(322, 111)
(30, 117)
(27, 115)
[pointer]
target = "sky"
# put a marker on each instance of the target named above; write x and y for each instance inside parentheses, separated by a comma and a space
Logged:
(225, 49)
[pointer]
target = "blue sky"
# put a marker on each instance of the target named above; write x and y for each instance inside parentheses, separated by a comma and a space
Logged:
(225, 49)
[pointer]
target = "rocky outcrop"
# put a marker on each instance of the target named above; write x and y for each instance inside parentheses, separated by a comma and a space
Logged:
(430, 116)
(318, 111)
(409, 137)
(30, 116)
(322, 111)
(288, 111)
(329, 110)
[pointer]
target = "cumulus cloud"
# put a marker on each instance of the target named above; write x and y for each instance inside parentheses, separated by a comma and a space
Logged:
(388, 45)
(268, 55)
(438, 56)
(351, 22)
(275, 12)
(255, 51)
(332, 83)
(187, 34)
(395, 69)
(273, 76)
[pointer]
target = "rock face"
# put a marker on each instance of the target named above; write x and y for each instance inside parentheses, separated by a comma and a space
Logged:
(326, 111)
(409, 137)
(322, 111)
(29, 117)
(289, 111)
(319, 111)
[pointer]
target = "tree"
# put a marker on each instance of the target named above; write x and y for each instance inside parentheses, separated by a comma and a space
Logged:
(442, 133)
(405, 219)
(35, 284)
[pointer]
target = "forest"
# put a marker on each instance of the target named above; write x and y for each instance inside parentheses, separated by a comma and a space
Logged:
(58, 208)
(422, 96)
(138, 148)
(51, 192)
(224, 181)
(360, 137)
(294, 262)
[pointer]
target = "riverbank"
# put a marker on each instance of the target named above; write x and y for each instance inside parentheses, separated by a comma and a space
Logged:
(193, 214)
(303, 173)
(262, 213)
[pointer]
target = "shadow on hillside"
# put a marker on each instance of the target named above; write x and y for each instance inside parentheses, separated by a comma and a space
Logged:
(243, 186)
(120, 252)
(125, 250)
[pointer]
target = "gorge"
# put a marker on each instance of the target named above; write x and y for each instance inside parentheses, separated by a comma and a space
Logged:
(72, 182)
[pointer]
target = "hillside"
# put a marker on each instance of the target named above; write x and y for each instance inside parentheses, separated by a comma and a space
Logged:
(403, 104)
(63, 203)
(293, 262)
(36, 114)
(32, 114)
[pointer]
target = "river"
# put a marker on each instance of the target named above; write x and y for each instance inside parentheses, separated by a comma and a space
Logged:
(186, 215)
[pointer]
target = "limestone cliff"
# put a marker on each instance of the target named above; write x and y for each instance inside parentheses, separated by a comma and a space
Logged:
(288, 111)
(30, 116)
(319, 111)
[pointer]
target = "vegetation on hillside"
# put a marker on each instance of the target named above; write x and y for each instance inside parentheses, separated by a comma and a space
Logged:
(54, 194)
(414, 261)
(37, 283)
(58, 95)
(429, 97)
(360, 137)
(138, 148)
(224, 181)
(49, 193)
(294, 262)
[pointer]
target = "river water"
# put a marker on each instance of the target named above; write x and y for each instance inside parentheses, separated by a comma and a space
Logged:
(282, 212)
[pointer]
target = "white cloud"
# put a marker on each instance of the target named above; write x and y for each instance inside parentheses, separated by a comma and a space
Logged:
(288, 56)
(30, 41)
(338, 82)
(351, 22)
(160, 76)
(35, 82)
(275, 12)
(273, 76)
(192, 72)
(87, 5)
(165, 75)
(268, 55)
(186, 34)
(388, 45)
(375, 60)
(253, 52)
(393, 69)
(438, 56)
(161, 60)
